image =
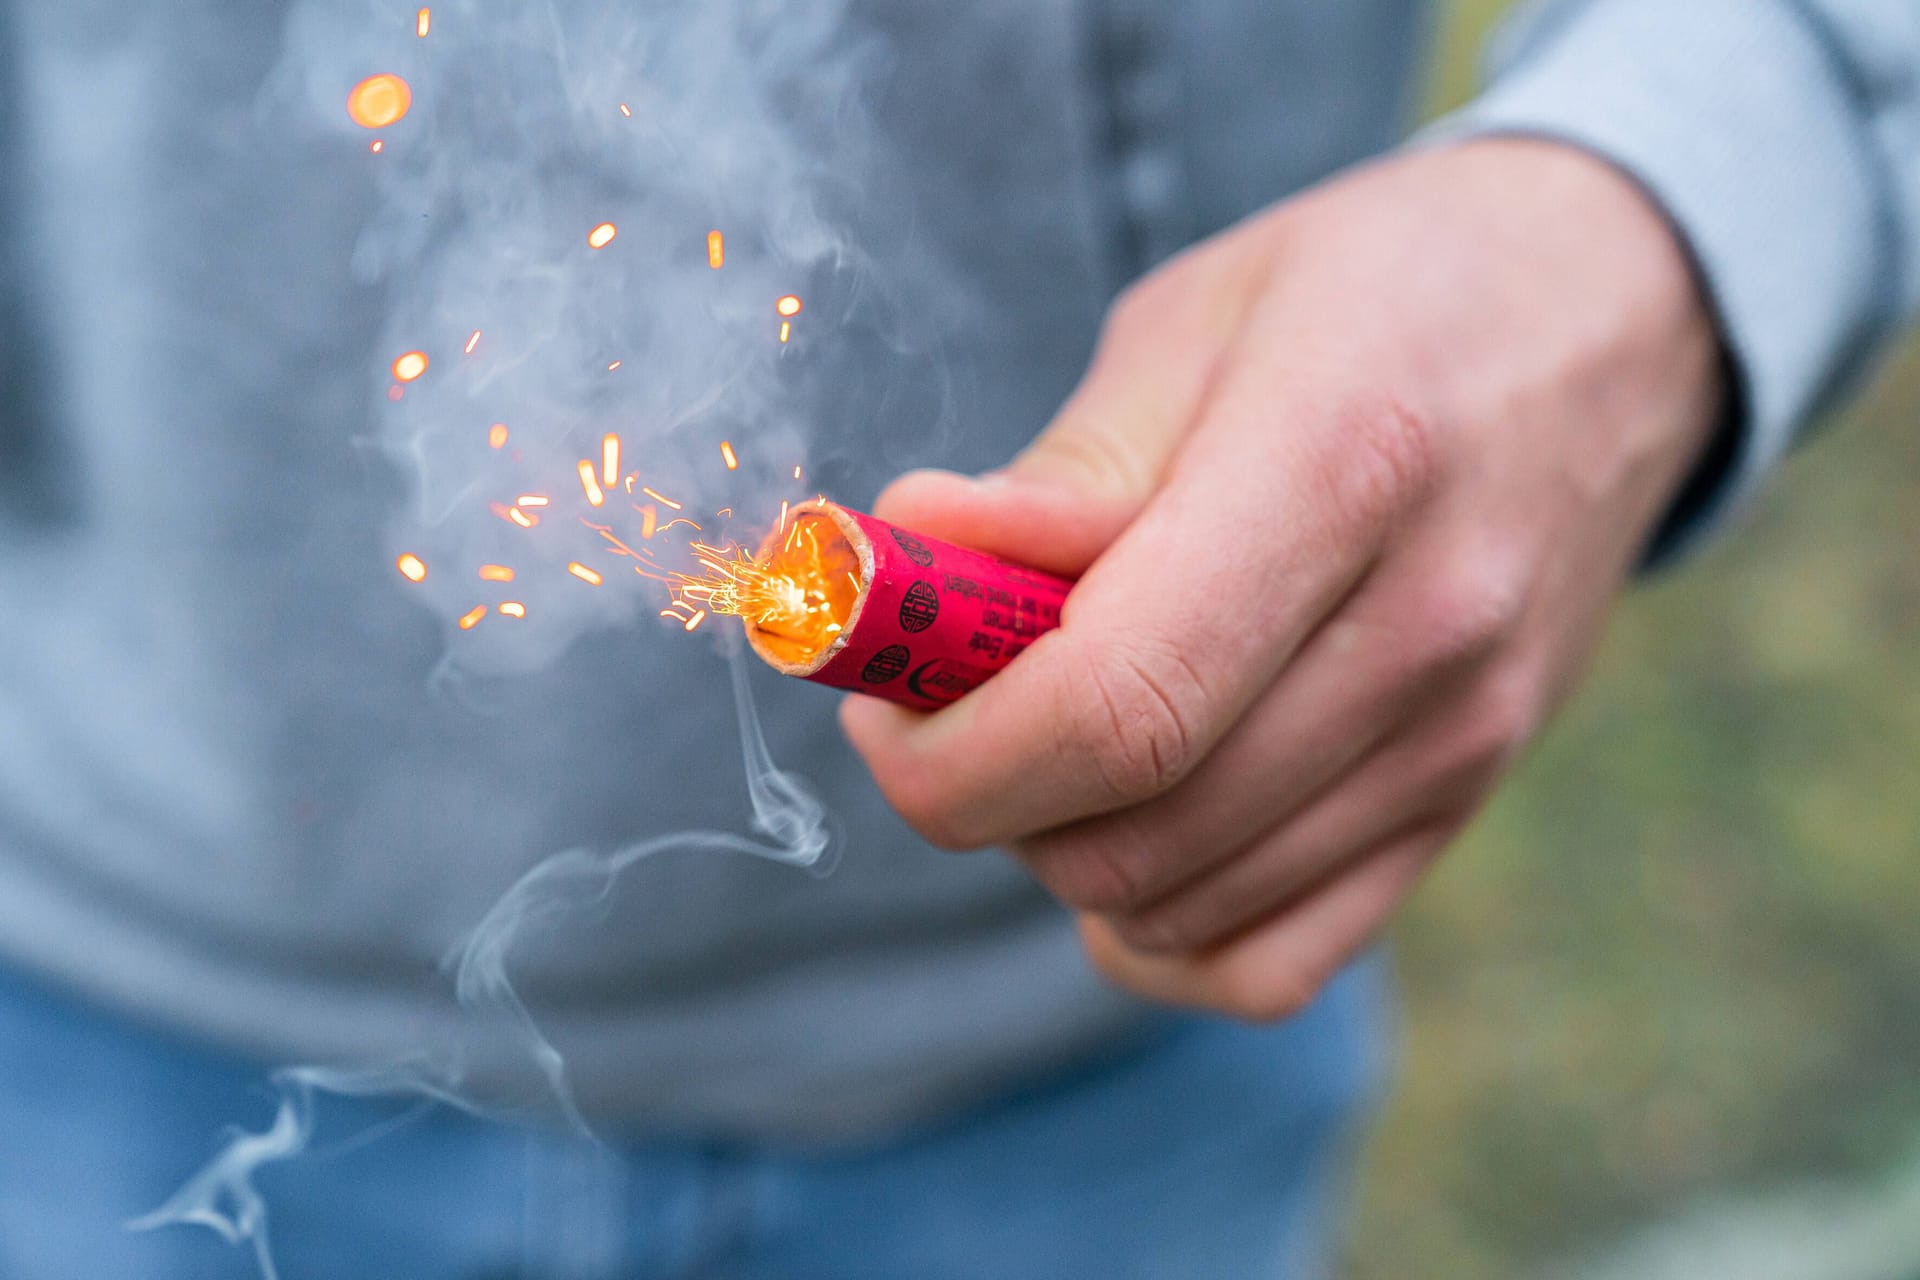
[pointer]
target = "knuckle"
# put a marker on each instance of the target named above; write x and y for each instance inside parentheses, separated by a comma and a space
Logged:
(1473, 611)
(1387, 460)
(1508, 713)
(1091, 874)
(1136, 721)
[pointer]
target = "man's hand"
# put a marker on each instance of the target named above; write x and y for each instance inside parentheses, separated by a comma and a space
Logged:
(1349, 490)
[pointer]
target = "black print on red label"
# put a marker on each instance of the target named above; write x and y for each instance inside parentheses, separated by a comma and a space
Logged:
(943, 681)
(886, 664)
(920, 607)
(917, 551)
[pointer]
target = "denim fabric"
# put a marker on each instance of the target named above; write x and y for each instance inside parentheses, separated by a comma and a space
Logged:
(1208, 1151)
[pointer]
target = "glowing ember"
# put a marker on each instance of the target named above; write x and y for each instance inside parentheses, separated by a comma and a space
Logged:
(412, 568)
(376, 146)
(590, 485)
(473, 340)
(495, 573)
(788, 306)
(699, 616)
(726, 456)
(513, 609)
(613, 366)
(797, 597)
(585, 574)
(532, 500)
(602, 236)
(610, 459)
(663, 501)
(626, 110)
(379, 101)
(716, 250)
(409, 366)
(648, 517)
(471, 617)
(423, 23)
(786, 331)
(497, 436)
(521, 518)
(796, 472)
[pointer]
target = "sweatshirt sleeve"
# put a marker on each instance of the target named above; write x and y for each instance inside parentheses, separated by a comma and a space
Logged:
(1782, 139)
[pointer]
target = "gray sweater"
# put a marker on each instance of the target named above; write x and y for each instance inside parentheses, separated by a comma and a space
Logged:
(253, 785)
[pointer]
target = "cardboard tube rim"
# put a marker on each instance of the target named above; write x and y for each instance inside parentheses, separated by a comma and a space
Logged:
(863, 549)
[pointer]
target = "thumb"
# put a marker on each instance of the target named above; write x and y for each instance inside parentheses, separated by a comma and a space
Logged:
(1069, 494)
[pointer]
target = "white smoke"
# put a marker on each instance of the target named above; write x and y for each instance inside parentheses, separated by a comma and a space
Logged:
(515, 146)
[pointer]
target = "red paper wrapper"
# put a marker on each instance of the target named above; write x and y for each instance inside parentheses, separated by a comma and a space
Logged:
(930, 621)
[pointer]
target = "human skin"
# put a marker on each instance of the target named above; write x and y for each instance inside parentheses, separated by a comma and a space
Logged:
(1349, 489)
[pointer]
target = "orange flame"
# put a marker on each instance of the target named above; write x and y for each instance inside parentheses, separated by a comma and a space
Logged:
(602, 236)
(412, 568)
(797, 597)
(788, 306)
(409, 366)
(379, 101)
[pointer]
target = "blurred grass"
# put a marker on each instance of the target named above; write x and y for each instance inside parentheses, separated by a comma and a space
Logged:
(1680, 955)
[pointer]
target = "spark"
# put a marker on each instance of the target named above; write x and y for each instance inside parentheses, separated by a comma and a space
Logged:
(663, 501)
(613, 366)
(727, 455)
(796, 471)
(412, 568)
(783, 513)
(716, 250)
(395, 392)
(471, 617)
(794, 594)
(513, 609)
(699, 616)
(607, 533)
(602, 236)
(590, 576)
(495, 573)
(376, 146)
(473, 340)
(610, 458)
(628, 482)
(497, 436)
(533, 500)
(647, 518)
(788, 306)
(626, 111)
(379, 101)
(724, 511)
(786, 331)
(679, 520)
(521, 518)
(423, 23)
(589, 485)
(409, 366)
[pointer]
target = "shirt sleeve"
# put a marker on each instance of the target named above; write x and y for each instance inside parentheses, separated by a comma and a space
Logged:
(1782, 139)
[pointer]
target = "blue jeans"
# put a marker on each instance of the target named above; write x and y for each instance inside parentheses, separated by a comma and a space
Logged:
(1217, 1151)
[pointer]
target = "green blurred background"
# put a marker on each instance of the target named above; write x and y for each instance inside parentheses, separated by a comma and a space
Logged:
(1673, 975)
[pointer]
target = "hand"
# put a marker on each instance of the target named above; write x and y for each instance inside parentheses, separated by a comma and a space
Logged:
(1349, 490)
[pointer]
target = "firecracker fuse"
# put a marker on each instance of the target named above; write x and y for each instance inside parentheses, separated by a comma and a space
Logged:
(840, 598)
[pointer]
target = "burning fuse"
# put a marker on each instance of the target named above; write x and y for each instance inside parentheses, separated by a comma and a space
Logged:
(840, 598)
